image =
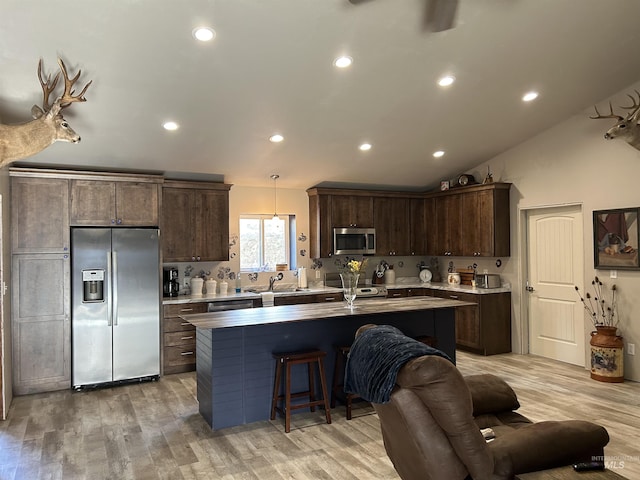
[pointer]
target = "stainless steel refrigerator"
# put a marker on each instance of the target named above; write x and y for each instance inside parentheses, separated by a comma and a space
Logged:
(116, 305)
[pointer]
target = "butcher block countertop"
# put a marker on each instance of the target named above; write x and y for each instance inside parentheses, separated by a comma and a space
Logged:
(315, 311)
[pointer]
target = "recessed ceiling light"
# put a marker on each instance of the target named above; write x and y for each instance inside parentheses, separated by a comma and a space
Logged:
(171, 126)
(446, 80)
(527, 97)
(365, 147)
(343, 62)
(438, 153)
(276, 138)
(204, 34)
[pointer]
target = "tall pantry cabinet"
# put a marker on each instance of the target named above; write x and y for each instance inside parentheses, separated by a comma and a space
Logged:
(41, 321)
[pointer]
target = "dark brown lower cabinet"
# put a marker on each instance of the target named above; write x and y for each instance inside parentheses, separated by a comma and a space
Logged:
(485, 328)
(407, 292)
(179, 338)
(311, 298)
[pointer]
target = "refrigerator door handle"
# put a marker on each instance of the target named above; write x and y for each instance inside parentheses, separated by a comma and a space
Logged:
(109, 290)
(114, 281)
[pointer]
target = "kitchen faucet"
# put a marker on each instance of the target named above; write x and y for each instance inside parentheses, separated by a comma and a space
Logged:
(273, 280)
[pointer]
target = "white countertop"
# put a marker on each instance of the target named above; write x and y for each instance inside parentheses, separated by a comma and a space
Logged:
(445, 286)
(244, 295)
(402, 282)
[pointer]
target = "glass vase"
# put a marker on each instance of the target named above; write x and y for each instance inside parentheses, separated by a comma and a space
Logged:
(349, 285)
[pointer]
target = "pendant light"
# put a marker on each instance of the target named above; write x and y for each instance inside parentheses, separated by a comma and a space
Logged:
(275, 177)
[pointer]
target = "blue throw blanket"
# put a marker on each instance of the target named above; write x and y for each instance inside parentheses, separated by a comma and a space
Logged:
(375, 358)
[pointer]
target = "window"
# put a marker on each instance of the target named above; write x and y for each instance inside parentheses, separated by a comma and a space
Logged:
(265, 241)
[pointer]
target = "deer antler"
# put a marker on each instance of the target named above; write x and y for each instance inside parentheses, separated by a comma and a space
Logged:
(47, 87)
(635, 104)
(635, 108)
(611, 115)
(67, 97)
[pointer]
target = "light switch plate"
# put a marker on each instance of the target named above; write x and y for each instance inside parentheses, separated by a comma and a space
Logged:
(613, 274)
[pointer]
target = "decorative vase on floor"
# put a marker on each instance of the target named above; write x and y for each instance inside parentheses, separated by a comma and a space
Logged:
(607, 355)
(349, 285)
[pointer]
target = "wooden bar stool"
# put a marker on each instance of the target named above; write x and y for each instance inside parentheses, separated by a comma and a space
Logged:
(309, 358)
(337, 391)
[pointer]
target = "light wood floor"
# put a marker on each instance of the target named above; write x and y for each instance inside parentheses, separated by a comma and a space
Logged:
(154, 431)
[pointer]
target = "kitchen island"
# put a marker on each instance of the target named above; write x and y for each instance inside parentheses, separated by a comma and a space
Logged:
(235, 367)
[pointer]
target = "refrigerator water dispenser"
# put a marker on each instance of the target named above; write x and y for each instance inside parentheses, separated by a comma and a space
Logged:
(93, 285)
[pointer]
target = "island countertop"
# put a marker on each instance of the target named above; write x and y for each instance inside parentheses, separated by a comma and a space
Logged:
(315, 311)
(234, 348)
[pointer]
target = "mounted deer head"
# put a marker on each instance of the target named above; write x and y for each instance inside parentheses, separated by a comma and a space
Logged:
(627, 127)
(26, 139)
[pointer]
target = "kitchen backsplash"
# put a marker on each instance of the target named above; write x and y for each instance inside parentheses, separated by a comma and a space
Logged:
(403, 267)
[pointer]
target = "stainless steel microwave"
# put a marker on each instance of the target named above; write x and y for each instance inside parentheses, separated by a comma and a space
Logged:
(354, 241)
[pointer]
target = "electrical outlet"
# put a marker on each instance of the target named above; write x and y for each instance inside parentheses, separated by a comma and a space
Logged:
(631, 348)
(186, 282)
(317, 274)
(613, 274)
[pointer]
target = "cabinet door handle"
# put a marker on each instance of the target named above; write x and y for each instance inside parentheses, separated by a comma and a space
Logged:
(184, 354)
(453, 297)
(186, 309)
(186, 338)
(329, 299)
(184, 324)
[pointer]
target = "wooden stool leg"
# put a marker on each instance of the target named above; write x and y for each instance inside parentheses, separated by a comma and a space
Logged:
(325, 397)
(349, 397)
(335, 384)
(287, 413)
(312, 384)
(276, 389)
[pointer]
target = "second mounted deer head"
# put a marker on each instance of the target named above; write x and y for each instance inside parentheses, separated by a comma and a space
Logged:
(627, 127)
(49, 126)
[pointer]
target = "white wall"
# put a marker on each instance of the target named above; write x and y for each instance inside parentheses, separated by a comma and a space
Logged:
(256, 200)
(572, 163)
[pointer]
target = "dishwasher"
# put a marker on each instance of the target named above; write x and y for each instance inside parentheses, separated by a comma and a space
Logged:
(224, 305)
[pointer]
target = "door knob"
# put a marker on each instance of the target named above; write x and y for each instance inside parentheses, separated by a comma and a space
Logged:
(529, 288)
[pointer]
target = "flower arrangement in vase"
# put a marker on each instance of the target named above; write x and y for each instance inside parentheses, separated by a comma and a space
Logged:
(349, 274)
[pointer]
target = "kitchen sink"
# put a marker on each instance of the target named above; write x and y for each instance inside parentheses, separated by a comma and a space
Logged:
(277, 289)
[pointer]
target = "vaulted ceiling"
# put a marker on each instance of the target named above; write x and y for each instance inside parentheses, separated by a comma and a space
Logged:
(270, 70)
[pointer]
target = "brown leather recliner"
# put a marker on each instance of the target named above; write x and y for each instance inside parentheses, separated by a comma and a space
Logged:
(431, 427)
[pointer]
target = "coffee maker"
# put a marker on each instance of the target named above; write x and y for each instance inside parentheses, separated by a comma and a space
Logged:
(170, 282)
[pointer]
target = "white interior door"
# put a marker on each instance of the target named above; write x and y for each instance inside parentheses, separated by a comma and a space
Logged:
(555, 267)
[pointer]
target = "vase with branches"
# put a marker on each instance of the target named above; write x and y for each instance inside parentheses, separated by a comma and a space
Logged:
(602, 311)
(607, 359)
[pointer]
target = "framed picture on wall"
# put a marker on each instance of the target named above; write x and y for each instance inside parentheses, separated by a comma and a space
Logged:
(615, 239)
